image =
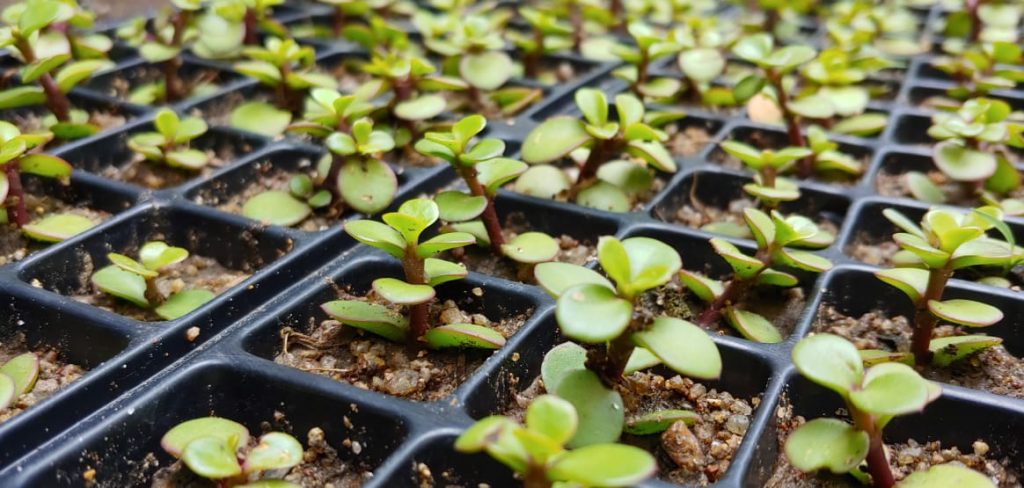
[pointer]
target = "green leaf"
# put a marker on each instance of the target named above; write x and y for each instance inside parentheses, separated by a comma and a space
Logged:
(57, 227)
(962, 163)
(276, 208)
(626, 175)
(373, 318)
(531, 248)
(657, 421)
(34, 71)
(593, 104)
(965, 312)
(556, 278)
(946, 476)
(378, 235)
(830, 361)
(777, 278)
(744, 266)
(483, 433)
(592, 313)
(863, 125)
(682, 346)
(156, 255)
(701, 64)
(891, 389)
(827, 443)
(266, 73)
(261, 118)
(211, 457)
(948, 350)
(552, 417)
(803, 260)
(192, 159)
(412, 218)
(183, 303)
(367, 185)
(122, 284)
(705, 288)
(871, 357)
(22, 96)
(444, 242)
(748, 87)
(650, 263)
(559, 362)
(423, 107)
(542, 181)
(603, 465)
(7, 391)
(496, 172)
(761, 226)
(753, 326)
(130, 265)
(754, 48)
(23, 370)
(910, 281)
(464, 335)
(44, 165)
(440, 271)
(41, 14)
(176, 439)
(789, 57)
(748, 154)
(922, 188)
(457, 206)
(654, 153)
(402, 293)
(600, 410)
(553, 139)
(640, 360)
(74, 73)
(487, 71)
(276, 450)
(604, 196)
(483, 150)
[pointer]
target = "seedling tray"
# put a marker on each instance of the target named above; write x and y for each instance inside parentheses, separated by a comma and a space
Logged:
(144, 378)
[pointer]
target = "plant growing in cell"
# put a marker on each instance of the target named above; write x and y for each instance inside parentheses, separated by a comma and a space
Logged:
(350, 14)
(618, 334)
(353, 175)
(400, 236)
(219, 450)
(547, 34)
(889, 28)
(136, 281)
(780, 243)
(768, 187)
(16, 160)
(17, 377)
(597, 144)
(169, 144)
(251, 16)
(647, 46)
(944, 242)
(873, 398)
(973, 155)
(976, 68)
(987, 21)
(536, 451)
(837, 89)
(290, 71)
(701, 60)
(46, 74)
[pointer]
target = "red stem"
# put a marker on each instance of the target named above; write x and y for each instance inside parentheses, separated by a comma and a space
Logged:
(15, 202)
(878, 464)
(597, 157)
(412, 264)
(490, 216)
(338, 22)
(174, 88)
(796, 136)
(734, 290)
(924, 320)
(972, 9)
(56, 101)
(250, 26)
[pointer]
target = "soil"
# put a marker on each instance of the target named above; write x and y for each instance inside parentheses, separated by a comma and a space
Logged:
(760, 140)
(904, 458)
(699, 216)
(482, 260)
(14, 246)
(367, 361)
(120, 87)
(192, 273)
(157, 176)
(687, 140)
(33, 122)
(692, 455)
(555, 73)
(866, 248)
(895, 185)
(54, 374)
(462, 103)
(994, 369)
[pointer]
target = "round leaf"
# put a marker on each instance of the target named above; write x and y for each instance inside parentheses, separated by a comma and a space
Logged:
(964, 164)
(464, 335)
(946, 476)
(370, 317)
(531, 248)
(402, 293)
(367, 186)
(211, 457)
(682, 346)
(553, 139)
(182, 303)
(276, 450)
(966, 312)
(600, 410)
(122, 284)
(421, 108)
(156, 255)
(753, 326)
(45, 165)
(496, 172)
(276, 208)
(863, 125)
(556, 278)
(891, 389)
(603, 465)
(604, 196)
(23, 370)
(543, 182)
(827, 444)
(377, 235)
(553, 417)
(457, 206)
(829, 361)
(444, 242)
(559, 362)
(486, 71)
(175, 440)
(701, 64)
(261, 118)
(57, 227)
(592, 313)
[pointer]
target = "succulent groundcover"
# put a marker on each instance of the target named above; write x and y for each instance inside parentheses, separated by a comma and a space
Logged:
(540, 243)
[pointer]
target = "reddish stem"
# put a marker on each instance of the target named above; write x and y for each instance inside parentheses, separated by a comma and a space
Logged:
(536, 477)
(576, 17)
(796, 136)
(250, 26)
(924, 320)
(972, 10)
(15, 202)
(415, 274)
(174, 88)
(490, 216)
(56, 101)
(734, 290)
(338, 22)
(531, 59)
(878, 464)
(598, 155)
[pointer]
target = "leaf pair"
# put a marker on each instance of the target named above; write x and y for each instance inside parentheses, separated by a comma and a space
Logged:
(169, 143)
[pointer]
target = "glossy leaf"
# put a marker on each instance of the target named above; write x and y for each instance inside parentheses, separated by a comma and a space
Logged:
(486, 71)
(402, 293)
(156, 255)
(457, 206)
(464, 335)
(556, 278)
(368, 186)
(444, 242)
(261, 118)
(603, 465)
(604, 196)
(658, 421)
(377, 235)
(423, 107)
(542, 181)
(966, 312)
(553, 417)
(682, 346)
(830, 361)
(7, 391)
(705, 288)
(531, 248)
(176, 439)
(45, 165)
(891, 389)
(211, 457)
(961, 163)
(559, 362)
(183, 303)
(23, 370)
(57, 227)
(826, 443)
(948, 350)
(753, 326)
(592, 313)
(946, 476)
(600, 410)
(276, 450)
(370, 317)
(553, 139)
(276, 208)
(122, 284)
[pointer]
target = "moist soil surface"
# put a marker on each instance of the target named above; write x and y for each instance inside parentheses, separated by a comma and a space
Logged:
(364, 360)
(686, 140)
(698, 454)
(904, 458)
(54, 374)
(696, 214)
(895, 185)
(14, 246)
(192, 273)
(761, 140)
(994, 369)
(155, 175)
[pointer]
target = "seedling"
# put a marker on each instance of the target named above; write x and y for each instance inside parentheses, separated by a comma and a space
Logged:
(873, 397)
(169, 145)
(399, 236)
(47, 76)
(976, 70)
(537, 453)
(987, 21)
(768, 187)
(547, 34)
(218, 449)
(701, 59)
(650, 46)
(866, 27)
(778, 241)
(947, 241)
(596, 142)
(135, 281)
(973, 153)
(16, 159)
(287, 68)
(411, 81)
(17, 377)
(172, 32)
(252, 15)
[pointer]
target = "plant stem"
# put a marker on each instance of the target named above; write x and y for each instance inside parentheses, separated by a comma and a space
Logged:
(610, 362)
(734, 290)
(330, 182)
(56, 101)
(796, 135)
(972, 10)
(338, 21)
(250, 26)
(531, 59)
(174, 88)
(878, 464)
(15, 202)
(598, 155)
(415, 274)
(490, 216)
(924, 320)
(535, 477)
(576, 18)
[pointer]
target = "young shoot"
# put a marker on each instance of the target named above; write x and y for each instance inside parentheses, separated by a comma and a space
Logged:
(15, 160)
(976, 68)
(287, 68)
(778, 239)
(218, 450)
(17, 377)
(536, 451)
(169, 144)
(596, 144)
(252, 16)
(873, 397)
(46, 75)
(947, 241)
(413, 86)
(650, 46)
(135, 281)
(172, 31)
(400, 236)
(547, 34)
(768, 187)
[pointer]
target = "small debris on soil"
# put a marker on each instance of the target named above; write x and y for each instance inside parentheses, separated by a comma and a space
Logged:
(54, 374)
(686, 141)
(192, 334)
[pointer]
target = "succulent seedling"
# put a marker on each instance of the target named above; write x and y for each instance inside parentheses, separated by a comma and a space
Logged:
(768, 187)
(17, 377)
(604, 181)
(701, 59)
(219, 450)
(251, 15)
(411, 81)
(973, 152)
(287, 68)
(620, 336)
(172, 31)
(47, 75)
(547, 34)
(976, 68)
(648, 46)
(536, 451)
(169, 144)
(987, 21)
(873, 397)
(889, 28)
(15, 159)
(778, 241)
(135, 281)
(947, 241)
(400, 236)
